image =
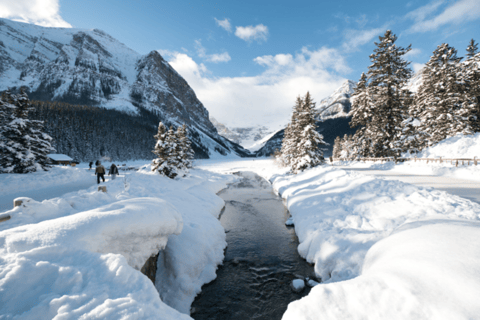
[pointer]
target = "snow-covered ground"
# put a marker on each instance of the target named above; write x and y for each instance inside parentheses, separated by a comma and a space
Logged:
(383, 248)
(81, 252)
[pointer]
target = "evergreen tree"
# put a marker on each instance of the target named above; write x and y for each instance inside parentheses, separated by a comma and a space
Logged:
(24, 147)
(308, 154)
(362, 113)
(471, 76)
(387, 77)
(440, 97)
(291, 136)
(472, 49)
(186, 153)
(162, 150)
(337, 148)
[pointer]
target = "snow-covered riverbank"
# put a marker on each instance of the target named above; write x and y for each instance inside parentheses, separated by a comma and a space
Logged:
(79, 255)
(349, 224)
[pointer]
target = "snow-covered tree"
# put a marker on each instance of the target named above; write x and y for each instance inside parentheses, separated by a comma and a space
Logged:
(471, 77)
(162, 150)
(308, 150)
(387, 76)
(24, 147)
(186, 153)
(291, 135)
(337, 148)
(440, 97)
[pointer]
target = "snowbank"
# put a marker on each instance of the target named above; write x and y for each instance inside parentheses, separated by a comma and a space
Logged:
(339, 215)
(425, 270)
(86, 246)
(459, 146)
(82, 264)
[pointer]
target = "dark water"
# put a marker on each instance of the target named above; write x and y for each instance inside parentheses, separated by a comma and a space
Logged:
(261, 259)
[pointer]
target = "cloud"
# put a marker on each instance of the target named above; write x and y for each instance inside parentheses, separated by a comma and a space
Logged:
(215, 58)
(225, 24)
(248, 33)
(356, 38)
(267, 98)
(412, 53)
(40, 12)
(456, 13)
(417, 66)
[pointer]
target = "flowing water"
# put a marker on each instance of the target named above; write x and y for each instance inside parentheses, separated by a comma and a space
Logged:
(261, 259)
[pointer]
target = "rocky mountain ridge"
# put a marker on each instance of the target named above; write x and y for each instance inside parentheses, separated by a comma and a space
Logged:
(89, 67)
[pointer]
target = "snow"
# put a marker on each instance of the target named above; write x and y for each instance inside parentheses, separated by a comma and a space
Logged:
(384, 249)
(459, 146)
(82, 251)
(60, 157)
(426, 270)
(298, 285)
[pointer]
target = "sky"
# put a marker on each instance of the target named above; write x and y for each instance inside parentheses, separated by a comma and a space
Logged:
(247, 60)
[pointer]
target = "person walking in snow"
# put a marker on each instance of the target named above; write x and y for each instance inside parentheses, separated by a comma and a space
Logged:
(113, 171)
(90, 165)
(100, 172)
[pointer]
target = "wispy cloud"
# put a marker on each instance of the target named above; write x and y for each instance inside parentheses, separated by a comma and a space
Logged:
(215, 58)
(225, 24)
(40, 12)
(355, 38)
(249, 33)
(412, 53)
(456, 13)
(269, 96)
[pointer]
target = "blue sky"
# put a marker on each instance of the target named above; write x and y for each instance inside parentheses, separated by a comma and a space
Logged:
(248, 60)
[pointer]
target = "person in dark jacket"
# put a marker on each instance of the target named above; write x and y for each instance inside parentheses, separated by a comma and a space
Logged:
(113, 171)
(100, 172)
(90, 165)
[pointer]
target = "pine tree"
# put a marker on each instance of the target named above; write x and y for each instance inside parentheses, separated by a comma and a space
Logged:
(162, 150)
(440, 96)
(24, 147)
(471, 76)
(291, 136)
(472, 49)
(387, 77)
(186, 153)
(308, 154)
(337, 148)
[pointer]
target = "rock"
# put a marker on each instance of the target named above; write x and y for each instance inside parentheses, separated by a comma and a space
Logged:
(102, 188)
(21, 201)
(298, 285)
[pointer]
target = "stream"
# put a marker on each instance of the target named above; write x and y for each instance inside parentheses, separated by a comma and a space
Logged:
(261, 259)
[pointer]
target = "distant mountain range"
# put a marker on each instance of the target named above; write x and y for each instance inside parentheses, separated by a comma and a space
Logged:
(89, 67)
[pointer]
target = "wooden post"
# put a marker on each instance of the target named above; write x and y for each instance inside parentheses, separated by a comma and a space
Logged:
(456, 163)
(4, 217)
(475, 160)
(17, 203)
(102, 188)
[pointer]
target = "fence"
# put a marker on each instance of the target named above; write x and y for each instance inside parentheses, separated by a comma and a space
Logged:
(455, 161)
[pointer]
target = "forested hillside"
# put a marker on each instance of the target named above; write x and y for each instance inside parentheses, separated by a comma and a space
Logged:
(87, 133)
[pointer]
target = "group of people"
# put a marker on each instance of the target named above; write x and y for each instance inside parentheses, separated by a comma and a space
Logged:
(100, 171)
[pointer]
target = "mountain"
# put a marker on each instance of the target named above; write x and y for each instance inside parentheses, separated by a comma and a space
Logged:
(337, 105)
(251, 138)
(333, 120)
(89, 67)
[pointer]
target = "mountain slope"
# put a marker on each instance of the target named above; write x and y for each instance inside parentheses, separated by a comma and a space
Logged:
(337, 105)
(89, 67)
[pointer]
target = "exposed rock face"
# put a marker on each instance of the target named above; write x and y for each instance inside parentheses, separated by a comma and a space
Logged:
(92, 68)
(337, 105)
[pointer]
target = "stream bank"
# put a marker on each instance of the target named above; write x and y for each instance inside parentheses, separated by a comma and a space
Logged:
(261, 259)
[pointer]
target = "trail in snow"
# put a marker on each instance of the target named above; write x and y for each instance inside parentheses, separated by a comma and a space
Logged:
(463, 188)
